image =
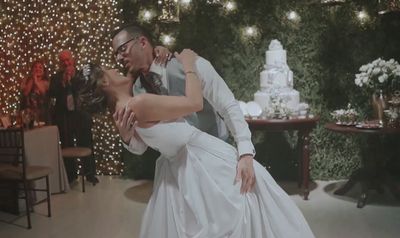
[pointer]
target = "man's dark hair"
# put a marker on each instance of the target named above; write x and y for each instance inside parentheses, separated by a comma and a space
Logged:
(133, 30)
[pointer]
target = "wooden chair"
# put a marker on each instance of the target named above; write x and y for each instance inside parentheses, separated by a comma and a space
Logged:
(81, 153)
(14, 168)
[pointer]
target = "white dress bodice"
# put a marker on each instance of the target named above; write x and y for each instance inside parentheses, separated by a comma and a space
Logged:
(168, 137)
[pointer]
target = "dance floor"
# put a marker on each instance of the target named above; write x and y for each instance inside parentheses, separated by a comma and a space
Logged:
(113, 208)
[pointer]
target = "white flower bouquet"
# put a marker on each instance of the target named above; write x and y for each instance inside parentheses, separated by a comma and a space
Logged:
(277, 109)
(345, 116)
(379, 74)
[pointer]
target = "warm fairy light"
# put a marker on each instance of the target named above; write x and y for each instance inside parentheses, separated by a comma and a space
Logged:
(362, 15)
(146, 15)
(230, 6)
(31, 30)
(167, 39)
(108, 148)
(293, 16)
(250, 31)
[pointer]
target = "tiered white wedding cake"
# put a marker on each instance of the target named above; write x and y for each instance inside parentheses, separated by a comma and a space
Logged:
(276, 82)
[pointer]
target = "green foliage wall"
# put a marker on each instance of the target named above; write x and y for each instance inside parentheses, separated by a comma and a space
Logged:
(325, 49)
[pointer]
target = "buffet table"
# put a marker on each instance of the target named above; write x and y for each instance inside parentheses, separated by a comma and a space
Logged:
(304, 126)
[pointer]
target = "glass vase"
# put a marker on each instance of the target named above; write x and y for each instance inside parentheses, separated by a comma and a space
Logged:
(379, 105)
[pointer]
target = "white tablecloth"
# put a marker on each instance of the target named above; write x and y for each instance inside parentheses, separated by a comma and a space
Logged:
(42, 148)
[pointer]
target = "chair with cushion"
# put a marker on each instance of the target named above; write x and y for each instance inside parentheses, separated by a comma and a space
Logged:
(79, 153)
(14, 169)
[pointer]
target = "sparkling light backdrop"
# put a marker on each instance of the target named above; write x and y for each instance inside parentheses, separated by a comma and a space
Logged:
(35, 29)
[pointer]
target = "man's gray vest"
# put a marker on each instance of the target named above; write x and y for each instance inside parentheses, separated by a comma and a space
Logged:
(206, 120)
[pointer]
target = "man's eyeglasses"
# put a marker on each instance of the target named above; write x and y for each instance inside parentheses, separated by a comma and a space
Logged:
(122, 48)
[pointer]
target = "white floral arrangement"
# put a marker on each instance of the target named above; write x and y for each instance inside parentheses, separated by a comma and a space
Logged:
(391, 114)
(277, 109)
(379, 74)
(345, 116)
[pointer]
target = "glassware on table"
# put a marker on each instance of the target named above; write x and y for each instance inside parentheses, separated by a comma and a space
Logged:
(27, 118)
(15, 118)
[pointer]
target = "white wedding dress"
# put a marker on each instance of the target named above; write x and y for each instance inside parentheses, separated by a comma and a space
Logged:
(195, 195)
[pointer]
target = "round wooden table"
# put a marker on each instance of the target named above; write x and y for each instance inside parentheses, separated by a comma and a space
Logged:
(304, 126)
(372, 172)
(355, 130)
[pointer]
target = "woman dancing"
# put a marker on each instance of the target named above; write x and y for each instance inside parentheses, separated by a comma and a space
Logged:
(194, 194)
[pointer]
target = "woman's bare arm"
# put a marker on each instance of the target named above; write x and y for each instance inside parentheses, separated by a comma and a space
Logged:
(26, 86)
(150, 107)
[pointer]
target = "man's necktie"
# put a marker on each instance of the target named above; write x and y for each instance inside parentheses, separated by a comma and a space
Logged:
(153, 84)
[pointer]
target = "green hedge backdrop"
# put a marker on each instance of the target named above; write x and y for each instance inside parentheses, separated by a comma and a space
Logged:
(325, 49)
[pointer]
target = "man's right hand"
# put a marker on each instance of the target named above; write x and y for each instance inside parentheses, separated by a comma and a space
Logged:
(125, 120)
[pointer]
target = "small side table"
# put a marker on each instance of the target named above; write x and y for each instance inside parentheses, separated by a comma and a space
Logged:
(304, 127)
(372, 172)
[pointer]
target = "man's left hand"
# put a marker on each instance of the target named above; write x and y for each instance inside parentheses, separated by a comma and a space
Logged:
(163, 55)
(245, 173)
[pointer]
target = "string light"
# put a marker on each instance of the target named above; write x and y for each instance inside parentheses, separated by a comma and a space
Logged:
(249, 32)
(31, 30)
(230, 6)
(167, 39)
(362, 16)
(108, 148)
(146, 15)
(293, 16)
